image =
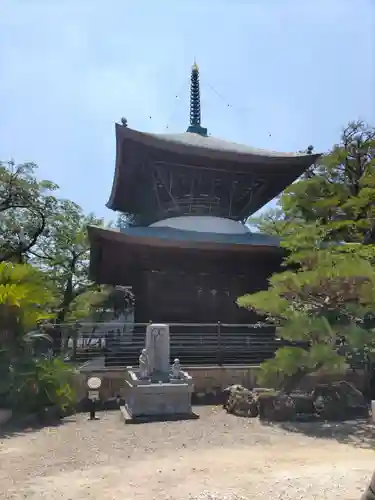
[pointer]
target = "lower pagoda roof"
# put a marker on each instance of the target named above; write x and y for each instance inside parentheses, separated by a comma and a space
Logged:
(170, 237)
(176, 174)
(122, 247)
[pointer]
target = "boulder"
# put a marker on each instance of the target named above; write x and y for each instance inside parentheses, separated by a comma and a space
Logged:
(277, 407)
(5, 415)
(369, 494)
(241, 401)
(336, 401)
(339, 401)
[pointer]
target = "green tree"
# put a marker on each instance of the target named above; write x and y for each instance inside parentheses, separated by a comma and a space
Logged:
(127, 220)
(327, 293)
(51, 234)
(97, 306)
(272, 221)
(329, 298)
(102, 302)
(64, 255)
(25, 205)
(338, 190)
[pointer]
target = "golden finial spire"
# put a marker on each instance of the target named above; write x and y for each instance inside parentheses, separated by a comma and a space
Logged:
(195, 103)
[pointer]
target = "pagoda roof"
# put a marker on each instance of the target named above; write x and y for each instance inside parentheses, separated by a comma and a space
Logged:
(220, 145)
(170, 237)
(201, 145)
(141, 152)
(115, 252)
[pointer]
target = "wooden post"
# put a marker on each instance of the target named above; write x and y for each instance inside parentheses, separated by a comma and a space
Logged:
(219, 353)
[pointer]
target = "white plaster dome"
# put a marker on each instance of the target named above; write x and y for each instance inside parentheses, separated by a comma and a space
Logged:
(203, 224)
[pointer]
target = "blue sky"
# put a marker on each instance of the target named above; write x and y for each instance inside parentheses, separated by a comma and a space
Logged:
(277, 74)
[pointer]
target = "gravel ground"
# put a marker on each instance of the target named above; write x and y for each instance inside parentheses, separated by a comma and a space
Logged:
(218, 456)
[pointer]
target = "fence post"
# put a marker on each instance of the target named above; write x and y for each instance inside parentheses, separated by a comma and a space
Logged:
(219, 353)
(64, 339)
(75, 342)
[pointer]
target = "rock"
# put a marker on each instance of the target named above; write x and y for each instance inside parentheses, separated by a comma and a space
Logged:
(339, 401)
(369, 494)
(304, 404)
(235, 387)
(5, 415)
(277, 407)
(241, 401)
(262, 390)
(228, 391)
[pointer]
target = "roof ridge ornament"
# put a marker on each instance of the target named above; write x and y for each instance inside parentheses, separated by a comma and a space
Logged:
(195, 103)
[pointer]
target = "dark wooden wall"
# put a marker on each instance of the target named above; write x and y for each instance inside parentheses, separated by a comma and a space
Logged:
(199, 287)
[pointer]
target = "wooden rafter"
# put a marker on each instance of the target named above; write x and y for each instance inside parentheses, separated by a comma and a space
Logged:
(166, 183)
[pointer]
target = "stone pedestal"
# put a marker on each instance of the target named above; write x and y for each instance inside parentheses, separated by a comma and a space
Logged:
(147, 401)
(152, 392)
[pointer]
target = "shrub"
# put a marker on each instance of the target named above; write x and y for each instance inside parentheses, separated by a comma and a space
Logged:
(42, 383)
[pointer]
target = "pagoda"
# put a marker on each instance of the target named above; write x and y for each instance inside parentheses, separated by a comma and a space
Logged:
(187, 253)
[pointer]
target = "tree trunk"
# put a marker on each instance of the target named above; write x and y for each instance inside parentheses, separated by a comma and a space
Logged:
(60, 318)
(292, 382)
(10, 333)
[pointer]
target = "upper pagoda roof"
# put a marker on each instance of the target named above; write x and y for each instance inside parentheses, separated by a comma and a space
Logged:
(192, 173)
(215, 144)
(243, 179)
(200, 145)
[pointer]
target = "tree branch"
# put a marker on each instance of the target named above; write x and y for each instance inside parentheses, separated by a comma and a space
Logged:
(24, 249)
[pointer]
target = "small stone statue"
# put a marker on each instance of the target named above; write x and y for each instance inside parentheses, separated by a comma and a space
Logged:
(143, 364)
(176, 369)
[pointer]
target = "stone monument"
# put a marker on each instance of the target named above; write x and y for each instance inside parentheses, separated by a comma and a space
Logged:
(157, 349)
(156, 391)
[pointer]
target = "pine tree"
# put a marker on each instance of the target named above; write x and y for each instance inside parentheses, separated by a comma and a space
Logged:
(323, 304)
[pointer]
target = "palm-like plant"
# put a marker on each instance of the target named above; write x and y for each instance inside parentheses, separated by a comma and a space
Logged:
(26, 298)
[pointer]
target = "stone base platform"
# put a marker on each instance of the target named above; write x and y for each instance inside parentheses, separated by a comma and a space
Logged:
(158, 397)
(143, 419)
(147, 399)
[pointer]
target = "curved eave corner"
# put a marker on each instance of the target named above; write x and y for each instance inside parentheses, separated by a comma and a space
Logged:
(112, 197)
